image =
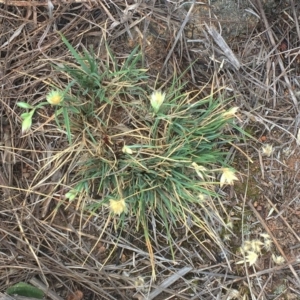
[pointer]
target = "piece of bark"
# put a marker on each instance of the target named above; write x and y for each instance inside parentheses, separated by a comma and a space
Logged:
(223, 45)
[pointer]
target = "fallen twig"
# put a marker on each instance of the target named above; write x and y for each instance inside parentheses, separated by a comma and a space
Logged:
(223, 45)
(37, 283)
(169, 281)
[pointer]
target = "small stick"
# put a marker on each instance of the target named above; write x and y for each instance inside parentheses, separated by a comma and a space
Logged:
(37, 283)
(169, 281)
(223, 45)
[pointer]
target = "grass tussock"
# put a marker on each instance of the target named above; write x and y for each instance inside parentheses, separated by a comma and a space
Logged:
(142, 150)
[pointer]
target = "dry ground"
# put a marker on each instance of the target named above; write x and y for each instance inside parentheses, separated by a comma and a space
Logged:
(60, 245)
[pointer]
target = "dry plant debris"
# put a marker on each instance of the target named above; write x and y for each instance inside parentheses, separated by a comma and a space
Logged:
(40, 239)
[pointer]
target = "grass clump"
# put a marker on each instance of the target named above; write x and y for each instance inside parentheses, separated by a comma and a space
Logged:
(146, 151)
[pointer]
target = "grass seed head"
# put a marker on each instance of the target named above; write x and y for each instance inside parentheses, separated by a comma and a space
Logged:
(256, 245)
(250, 258)
(268, 244)
(227, 176)
(200, 170)
(267, 241)
(231, 112)
(247, 246)
(253, 245)
(139, 283)
(229, 224)
(233, 294)
(279, 260)
(55, 97)
(156, 99)
(265, 236)
(202, 197)
(267, 150)
(117, 207)
(127, 150)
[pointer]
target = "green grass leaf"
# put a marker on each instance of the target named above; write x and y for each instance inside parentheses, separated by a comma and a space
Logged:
(75, 54)
(67, 124)
(24, 105)
(26, 290)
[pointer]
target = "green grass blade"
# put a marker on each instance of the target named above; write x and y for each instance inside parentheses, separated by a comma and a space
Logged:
(75, 54)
